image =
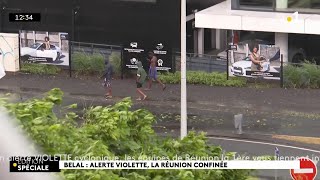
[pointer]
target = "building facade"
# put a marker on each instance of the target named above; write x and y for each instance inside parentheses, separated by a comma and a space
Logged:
(287, 20)
(107, 21)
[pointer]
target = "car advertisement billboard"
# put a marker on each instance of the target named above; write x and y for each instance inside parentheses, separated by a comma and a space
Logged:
(134, 52)
(9, 53)
(261, 61)
(44, 47)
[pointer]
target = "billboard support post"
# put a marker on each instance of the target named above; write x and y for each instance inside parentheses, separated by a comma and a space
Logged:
(173, 59)
(122, 62)
(19, 51)
(281, 71)
(72, 40)
(70, 56)
(227, 63)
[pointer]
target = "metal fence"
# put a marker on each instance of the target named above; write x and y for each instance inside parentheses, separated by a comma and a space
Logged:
(195, 62)
(201, 62)
(79, 51)
(92, 48)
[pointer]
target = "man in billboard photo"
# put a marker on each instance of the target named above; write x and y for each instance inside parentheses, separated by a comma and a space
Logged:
(47, 43)
(152, 58)
(256, 60)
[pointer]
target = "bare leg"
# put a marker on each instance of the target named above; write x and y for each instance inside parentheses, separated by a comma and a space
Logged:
(140, 92)
(163, 85)
(109, 92)
(149, 84)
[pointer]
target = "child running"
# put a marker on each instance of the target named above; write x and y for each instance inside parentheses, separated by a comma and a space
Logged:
(107, 79)
(141, 78)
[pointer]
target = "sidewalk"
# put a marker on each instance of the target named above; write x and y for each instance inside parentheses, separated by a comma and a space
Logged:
(266, 111)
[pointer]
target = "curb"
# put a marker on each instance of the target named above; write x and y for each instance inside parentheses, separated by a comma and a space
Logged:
(255, 137)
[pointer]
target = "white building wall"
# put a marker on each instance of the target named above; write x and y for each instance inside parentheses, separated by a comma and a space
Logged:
(221, 16)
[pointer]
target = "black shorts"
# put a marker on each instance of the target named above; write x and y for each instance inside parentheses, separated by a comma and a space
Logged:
(139, 85)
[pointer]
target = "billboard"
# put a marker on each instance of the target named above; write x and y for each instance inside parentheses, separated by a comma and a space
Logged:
(44, 47)
(134, 52)
(9, 53)
(163, 53)
(137, 51)
(264, 63)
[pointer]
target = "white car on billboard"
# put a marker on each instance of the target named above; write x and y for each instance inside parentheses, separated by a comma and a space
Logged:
(240, 68)
(37, 52)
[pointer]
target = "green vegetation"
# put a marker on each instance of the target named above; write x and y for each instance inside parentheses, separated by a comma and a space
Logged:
(112, 131)
(204, 78)
(88, 64)
(305, 76)
(115, 60)
(40, 69)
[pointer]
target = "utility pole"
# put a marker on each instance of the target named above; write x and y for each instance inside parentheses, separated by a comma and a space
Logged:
(184, 126)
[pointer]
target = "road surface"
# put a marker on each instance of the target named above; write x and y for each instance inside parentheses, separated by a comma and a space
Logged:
(253, 148)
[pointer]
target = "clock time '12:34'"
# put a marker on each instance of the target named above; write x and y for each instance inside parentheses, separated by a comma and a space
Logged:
(24, 17)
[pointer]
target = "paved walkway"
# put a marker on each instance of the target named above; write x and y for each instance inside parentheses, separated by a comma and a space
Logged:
(266, 111)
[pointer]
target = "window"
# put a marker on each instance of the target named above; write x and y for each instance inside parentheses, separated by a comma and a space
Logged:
(299, 5)
(35, 46)
(42, 47)
(52, 47)
(303, 6)
(312, 4)
(256, 3)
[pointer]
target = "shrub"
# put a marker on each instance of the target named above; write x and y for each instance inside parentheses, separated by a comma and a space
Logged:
(112, 131)
(40, 69)
(204, 78)
(305, 76)
(115, 60)
(87, 64)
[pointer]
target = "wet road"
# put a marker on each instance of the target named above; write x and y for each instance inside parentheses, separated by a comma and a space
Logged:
(254, 148)
(242, 147)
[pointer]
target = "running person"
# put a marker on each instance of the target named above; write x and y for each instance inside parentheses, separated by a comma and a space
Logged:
(141, 78)
(153, 71)
(107, 79)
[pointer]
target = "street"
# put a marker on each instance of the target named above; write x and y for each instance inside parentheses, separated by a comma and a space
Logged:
(254, 148)
(210, 109)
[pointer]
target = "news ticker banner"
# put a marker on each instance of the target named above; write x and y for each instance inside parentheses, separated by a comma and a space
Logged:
(179, 164)
(54, 164)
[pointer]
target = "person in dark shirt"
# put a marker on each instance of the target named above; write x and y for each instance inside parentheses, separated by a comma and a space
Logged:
(107, 78)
